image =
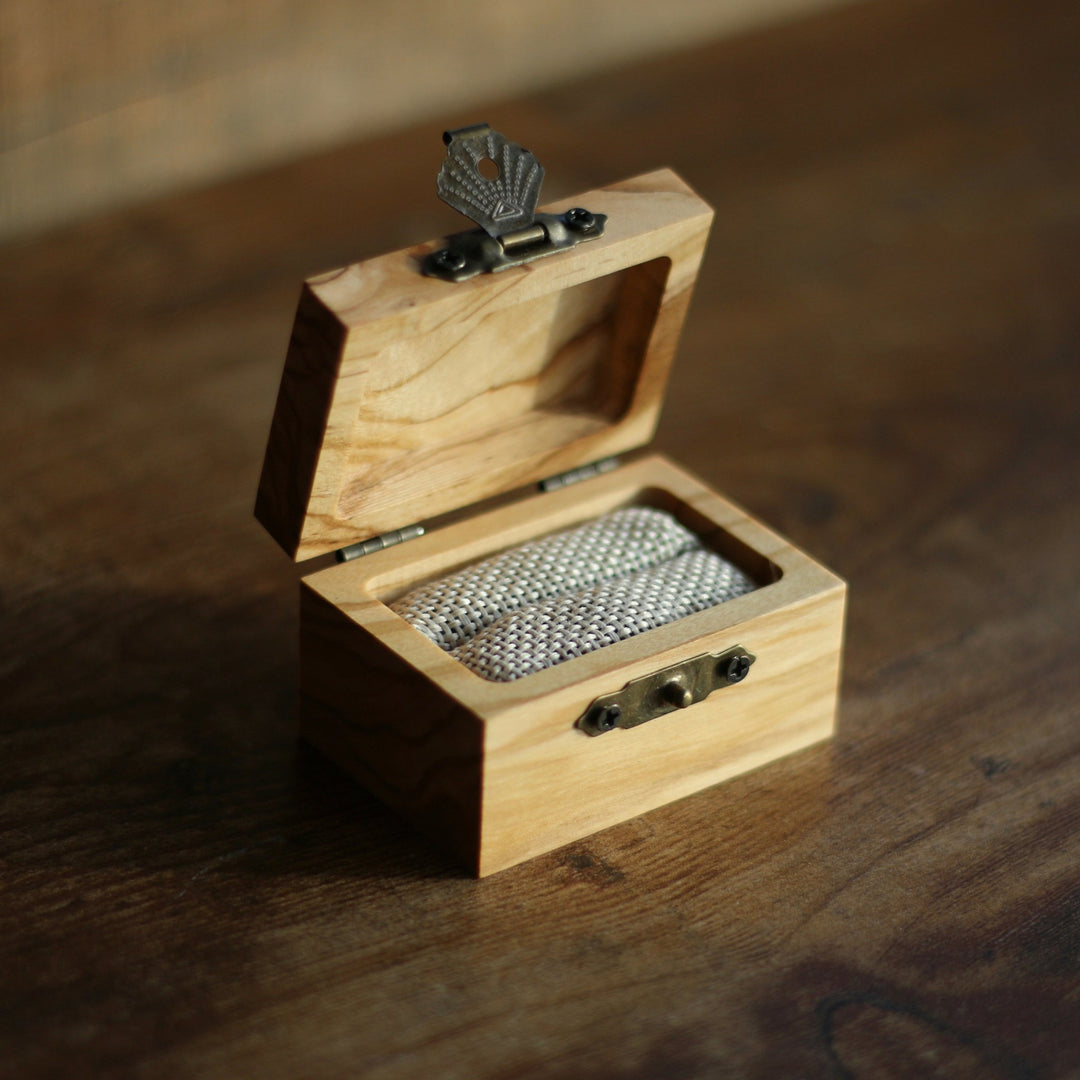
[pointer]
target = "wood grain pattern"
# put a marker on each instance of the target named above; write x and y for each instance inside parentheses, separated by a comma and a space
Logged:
(880, 362)
(517, 791)
(432, 396)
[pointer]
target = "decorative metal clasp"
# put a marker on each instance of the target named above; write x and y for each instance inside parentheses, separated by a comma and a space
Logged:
(675, 687)
(496, 183)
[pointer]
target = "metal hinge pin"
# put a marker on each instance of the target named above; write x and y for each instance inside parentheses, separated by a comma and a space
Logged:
(377, 543)
(575, 476)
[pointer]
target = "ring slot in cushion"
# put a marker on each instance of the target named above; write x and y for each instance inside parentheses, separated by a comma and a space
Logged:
(566, 595)
(454, 608)
(564, 627)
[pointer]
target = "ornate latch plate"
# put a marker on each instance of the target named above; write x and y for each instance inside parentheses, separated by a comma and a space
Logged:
(665, 691)
(496, 183)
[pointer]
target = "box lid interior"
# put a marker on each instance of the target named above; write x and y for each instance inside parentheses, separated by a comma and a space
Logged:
(405, 397)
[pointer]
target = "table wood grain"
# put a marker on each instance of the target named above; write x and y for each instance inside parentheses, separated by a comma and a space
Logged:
(882, 362)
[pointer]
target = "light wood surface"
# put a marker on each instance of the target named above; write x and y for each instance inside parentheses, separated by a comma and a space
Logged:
(405, 397)
(497, 771)
(880, 362)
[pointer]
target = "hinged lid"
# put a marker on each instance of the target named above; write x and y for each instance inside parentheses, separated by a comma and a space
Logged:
(405, 396)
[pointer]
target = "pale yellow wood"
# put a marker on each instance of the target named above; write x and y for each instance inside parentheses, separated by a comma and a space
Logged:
(405, 397)
(546, 784)
(520, 778)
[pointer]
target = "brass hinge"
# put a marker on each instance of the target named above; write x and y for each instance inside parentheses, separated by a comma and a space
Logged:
(665, 691)
(496, 183)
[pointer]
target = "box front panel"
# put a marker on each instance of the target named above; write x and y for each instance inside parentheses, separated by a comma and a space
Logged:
(547, 783)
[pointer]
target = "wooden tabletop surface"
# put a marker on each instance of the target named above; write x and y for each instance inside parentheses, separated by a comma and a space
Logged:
(881, 361)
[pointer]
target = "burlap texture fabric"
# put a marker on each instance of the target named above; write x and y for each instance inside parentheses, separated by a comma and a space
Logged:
(558, 629)
(454, 608)
(566, 595)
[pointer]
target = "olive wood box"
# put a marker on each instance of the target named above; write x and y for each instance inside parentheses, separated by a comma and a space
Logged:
(409, 399)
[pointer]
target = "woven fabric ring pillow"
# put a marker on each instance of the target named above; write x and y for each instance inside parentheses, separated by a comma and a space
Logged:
(566, 595)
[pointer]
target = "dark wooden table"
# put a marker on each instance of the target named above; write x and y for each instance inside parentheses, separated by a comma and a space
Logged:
(882, 361)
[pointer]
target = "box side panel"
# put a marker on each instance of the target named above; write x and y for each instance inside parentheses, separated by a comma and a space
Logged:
(300, 417)
(408, 743)
(547, 783)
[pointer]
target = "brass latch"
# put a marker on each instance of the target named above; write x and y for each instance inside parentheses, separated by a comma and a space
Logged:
(496, 183)
(665, 691)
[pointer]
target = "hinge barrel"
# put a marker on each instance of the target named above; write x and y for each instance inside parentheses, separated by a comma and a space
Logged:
(476, 252)
(575, 476)
(377, 543)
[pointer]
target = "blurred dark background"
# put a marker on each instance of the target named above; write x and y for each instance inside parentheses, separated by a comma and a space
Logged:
(106, 104)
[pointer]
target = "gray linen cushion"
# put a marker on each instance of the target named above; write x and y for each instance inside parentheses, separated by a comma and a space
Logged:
(566, 595)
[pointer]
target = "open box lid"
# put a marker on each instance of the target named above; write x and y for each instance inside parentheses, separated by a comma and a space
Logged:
(405, 396)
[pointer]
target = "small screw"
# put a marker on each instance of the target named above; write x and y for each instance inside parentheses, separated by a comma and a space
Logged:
(607, 716)
(579, 219)
(448, 260)
(737, 668)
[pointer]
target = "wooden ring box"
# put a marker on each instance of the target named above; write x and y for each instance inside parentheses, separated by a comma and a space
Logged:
(407, 399)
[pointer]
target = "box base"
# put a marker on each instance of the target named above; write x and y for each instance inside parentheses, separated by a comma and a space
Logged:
(498, 772)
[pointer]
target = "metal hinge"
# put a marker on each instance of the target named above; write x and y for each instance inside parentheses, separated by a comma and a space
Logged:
(496, 183)
(575, 476)
(664, 691)
(411, 532)
(377, 543)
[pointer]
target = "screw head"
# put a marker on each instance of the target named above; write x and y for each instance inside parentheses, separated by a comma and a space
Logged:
(579, 219)
(448, 260)
(737, 668)
(607, 716)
